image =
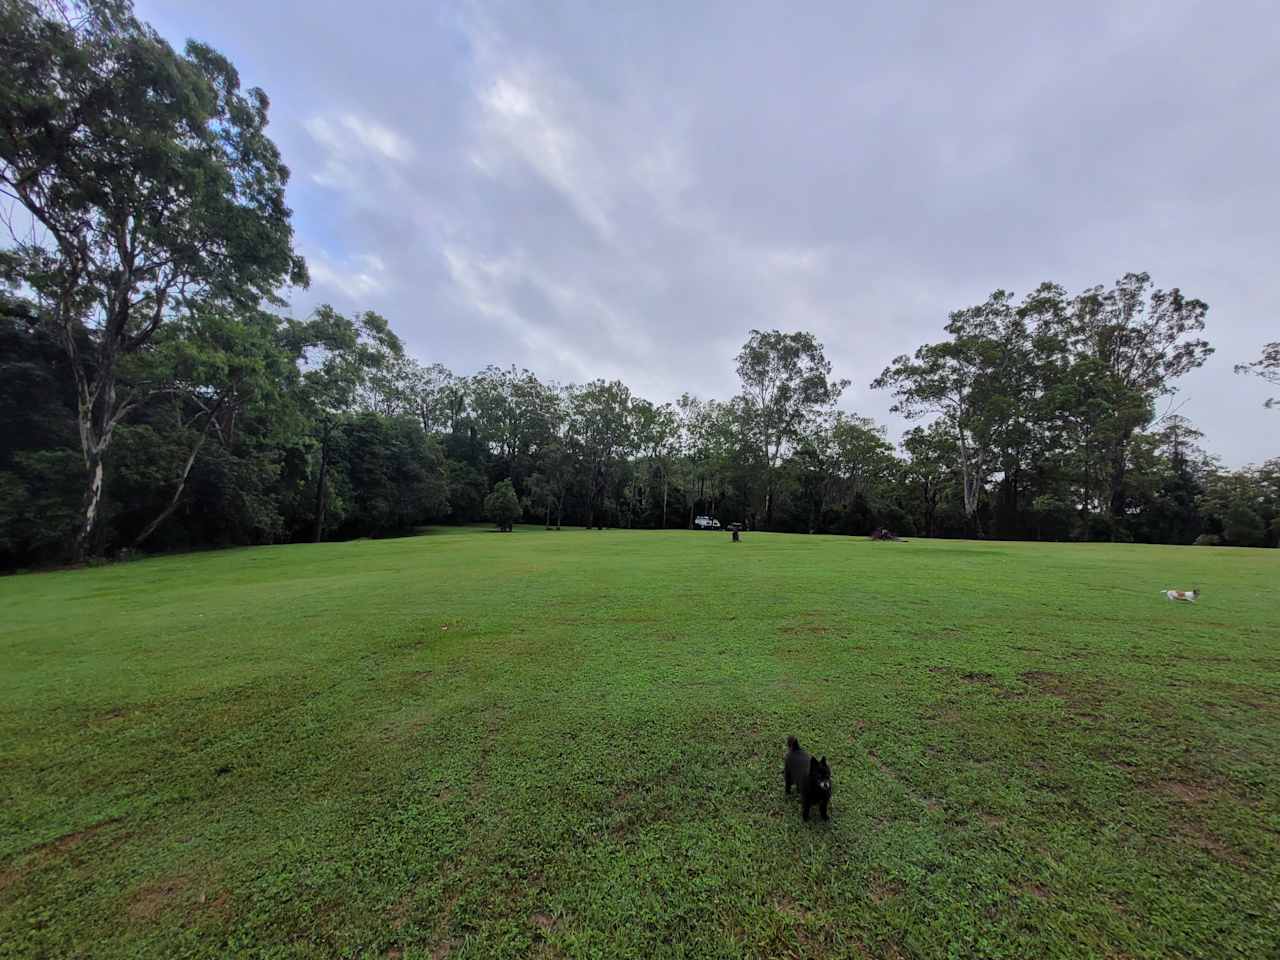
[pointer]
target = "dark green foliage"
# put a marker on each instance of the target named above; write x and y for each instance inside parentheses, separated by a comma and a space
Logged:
(1242, 527)
(1243, 508)
(786, 386)
(40, 461)
(205, 419)
(502, 506)
(392, 475)
(154, 190)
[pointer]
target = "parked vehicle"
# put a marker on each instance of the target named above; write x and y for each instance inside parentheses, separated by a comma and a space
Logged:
(706, 523)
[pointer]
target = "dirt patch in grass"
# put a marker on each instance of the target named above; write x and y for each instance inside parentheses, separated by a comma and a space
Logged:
(543, 921)
(70, 841)
(882, 889)
(152, 899)
(399, 912)
(1184, 791)
(1047, 682)
(73, 840)
(791, 908)
(1255, 698)
(105, 719)
(43, 853)
(1199, 836)
(806, 630)
(810, 624)
(1035, 890)
(1084, 696)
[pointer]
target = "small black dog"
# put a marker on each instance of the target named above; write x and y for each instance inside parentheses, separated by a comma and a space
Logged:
(811, 774)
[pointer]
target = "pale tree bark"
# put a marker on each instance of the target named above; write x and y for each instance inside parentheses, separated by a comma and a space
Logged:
(97, 415)
(972, 461)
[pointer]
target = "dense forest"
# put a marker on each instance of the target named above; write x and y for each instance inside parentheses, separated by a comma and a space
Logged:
(153, 395)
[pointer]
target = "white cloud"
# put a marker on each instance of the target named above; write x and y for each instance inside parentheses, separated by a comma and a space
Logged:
(497, 287)
(363, 279)
(522, 123)
(352, 145)
(626, 191)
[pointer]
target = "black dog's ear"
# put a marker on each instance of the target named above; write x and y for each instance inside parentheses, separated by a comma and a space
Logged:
(823, 761)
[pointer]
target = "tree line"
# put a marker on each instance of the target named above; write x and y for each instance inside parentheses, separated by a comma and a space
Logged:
(153, 396)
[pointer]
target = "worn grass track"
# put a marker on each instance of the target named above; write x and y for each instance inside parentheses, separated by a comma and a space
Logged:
(569, 744)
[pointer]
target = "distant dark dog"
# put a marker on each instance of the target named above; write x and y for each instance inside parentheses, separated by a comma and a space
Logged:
(811, 774)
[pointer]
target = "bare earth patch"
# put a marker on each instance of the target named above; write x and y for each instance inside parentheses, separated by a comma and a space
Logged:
(1199, 836)
(791, 908)
(1083, 696)
(1188, 792)
(806, 629)
(882, 889)
(71, 840)
(151, 900)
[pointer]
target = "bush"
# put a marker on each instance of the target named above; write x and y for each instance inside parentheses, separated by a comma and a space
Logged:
(896, 519)
(1208, 540)
(1242, 526)
(502, 506)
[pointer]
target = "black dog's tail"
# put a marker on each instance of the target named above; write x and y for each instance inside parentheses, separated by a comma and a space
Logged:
(793, 743)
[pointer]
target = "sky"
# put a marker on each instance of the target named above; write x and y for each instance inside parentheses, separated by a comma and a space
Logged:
(627, 190)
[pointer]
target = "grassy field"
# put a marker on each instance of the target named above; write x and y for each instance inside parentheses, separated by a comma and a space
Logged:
(569, 744)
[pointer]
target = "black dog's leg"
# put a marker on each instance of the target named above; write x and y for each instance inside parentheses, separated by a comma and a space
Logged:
(786, 779)
(806, 808)
(823, 809)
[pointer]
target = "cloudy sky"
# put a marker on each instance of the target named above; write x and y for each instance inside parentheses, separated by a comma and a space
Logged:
(625, 190)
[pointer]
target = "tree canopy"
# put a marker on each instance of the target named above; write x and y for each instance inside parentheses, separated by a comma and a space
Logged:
(154, 396)
(151, 189)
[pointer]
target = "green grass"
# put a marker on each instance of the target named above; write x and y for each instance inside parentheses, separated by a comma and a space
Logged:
(569, 744)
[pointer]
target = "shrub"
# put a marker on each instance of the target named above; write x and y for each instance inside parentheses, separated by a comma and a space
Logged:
(502, 506)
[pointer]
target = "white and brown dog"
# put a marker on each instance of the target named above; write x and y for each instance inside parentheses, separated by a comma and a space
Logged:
(1188, 595)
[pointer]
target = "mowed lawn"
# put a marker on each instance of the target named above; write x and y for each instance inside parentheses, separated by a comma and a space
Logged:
(569, 744)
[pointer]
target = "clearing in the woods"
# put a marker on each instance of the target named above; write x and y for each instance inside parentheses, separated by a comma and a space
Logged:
(472, 744)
